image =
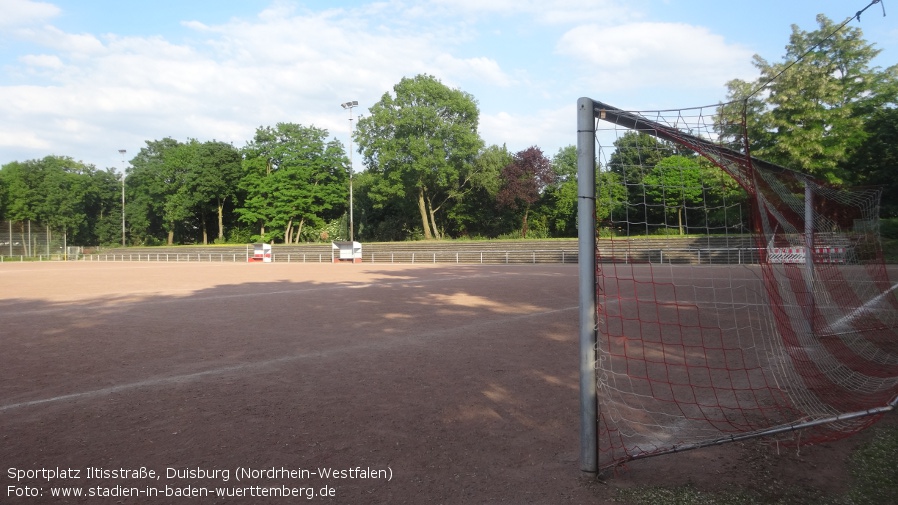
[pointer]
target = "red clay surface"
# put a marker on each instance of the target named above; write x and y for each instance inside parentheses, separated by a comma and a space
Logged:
(460, 382)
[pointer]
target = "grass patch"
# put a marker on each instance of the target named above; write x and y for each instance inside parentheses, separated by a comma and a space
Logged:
(872, 469)
(687, 495)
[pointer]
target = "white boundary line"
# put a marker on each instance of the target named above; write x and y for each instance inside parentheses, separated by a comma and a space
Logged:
(842, 323)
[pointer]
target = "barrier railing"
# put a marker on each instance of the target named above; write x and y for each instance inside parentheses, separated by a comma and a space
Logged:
(694, 256)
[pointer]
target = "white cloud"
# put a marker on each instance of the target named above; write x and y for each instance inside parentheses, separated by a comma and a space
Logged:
(484, 69)
(551, 12)
(90, 94)
(549, 129)
(42, 61)
(25, 12)
(651, 55)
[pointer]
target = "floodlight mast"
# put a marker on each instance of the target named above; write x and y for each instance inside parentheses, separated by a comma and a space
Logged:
(348, 106)
(122, 152)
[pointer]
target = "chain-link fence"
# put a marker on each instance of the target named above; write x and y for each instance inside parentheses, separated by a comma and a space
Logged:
(32, 240)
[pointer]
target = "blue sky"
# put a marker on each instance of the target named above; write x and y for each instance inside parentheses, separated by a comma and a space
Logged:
(85, 78)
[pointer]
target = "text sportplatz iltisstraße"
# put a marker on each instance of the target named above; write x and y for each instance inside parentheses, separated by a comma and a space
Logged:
(173, 482)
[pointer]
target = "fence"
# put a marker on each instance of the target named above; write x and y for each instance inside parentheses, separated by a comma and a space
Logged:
(692, 256)
(468, 257)
(21, 240)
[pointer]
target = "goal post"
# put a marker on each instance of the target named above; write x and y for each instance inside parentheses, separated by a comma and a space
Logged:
(722, 297)
(586, 241)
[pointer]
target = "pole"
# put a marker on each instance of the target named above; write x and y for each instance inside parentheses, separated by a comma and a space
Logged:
(586, 233)
(349, 105)
(122, 152)
(809, 252)
(351, 223)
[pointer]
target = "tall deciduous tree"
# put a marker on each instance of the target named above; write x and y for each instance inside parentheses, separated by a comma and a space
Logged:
(293, 178)
(213, 180)
(104, 204)
(523, 182)
(817, 100)
(53, 191)
(421, 142)
(156, 202)
(676, 182)
(475, 213)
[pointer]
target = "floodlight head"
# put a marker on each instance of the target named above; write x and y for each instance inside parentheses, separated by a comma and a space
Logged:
(349, 105)
(122, 151)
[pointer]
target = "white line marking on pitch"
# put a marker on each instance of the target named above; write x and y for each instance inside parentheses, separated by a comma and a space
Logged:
(159, 381)
(842, 323)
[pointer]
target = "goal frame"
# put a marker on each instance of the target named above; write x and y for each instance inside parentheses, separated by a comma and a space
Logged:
(589, 112)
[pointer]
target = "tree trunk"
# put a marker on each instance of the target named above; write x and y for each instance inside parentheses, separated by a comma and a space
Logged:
(288, 232)
(221, 220)
(680, 219)
(171, 235)
(205, 231)
(299, 230)
(524, 223)
(422, 207)
(433, 221)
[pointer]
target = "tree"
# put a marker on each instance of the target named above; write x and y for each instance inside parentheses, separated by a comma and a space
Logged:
(421, 143)
(562, 194)
(817, 100)
(52, 191)
(634, 153)
(634, 156)
(157, 205)
(475, 214)
(675, 183)
(611, 197)
(875, 161)
(104, 206)
(213, 180)
(523, 182)
(293, 177)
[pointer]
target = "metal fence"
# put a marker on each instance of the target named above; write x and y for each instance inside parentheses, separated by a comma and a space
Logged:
(21, 240)
(467, 257)
(690, 256)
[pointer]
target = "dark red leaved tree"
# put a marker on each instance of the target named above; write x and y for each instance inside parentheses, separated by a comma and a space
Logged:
(523, 181)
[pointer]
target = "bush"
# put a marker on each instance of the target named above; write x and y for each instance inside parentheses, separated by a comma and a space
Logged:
(239, 235)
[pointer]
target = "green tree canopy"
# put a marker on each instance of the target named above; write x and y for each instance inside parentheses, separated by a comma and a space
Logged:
(874, 162)
(475, 214)
(216, 171)
(422, 143)
(56, 191)
(676, 182)
(293, 178)
(816, 100)
(156, 200)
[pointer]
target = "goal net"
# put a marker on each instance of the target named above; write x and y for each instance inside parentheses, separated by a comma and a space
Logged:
(735, 298)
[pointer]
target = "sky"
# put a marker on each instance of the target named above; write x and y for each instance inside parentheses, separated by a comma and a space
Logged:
(87, 78)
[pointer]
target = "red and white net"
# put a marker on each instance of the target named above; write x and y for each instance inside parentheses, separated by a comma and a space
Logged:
(735, 297)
